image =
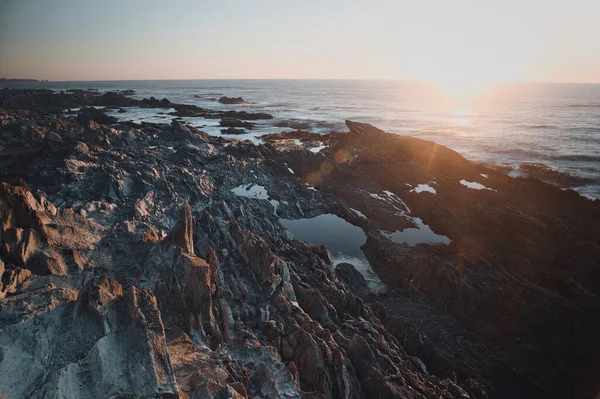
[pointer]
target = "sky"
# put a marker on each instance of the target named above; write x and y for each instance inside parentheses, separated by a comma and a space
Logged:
(462, 42)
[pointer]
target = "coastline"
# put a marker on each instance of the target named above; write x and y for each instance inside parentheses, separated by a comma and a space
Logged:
(110, 202)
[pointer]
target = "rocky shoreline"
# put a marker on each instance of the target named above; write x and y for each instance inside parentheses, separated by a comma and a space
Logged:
(131, 267)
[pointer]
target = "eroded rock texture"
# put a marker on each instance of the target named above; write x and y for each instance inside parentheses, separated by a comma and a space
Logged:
(129, 268)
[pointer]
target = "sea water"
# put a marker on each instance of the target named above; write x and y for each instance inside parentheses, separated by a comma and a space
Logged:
(557, 125)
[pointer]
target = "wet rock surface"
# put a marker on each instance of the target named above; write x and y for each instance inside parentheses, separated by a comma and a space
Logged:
(130, 267)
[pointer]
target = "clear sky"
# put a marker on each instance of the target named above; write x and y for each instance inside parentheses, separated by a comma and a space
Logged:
(455, 41)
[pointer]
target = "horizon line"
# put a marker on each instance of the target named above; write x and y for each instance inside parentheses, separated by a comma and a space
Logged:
(281, 79)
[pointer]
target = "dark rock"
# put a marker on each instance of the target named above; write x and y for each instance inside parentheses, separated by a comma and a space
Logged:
(233, 130)
(231, 100)
(155, 103)
(98, 301)
(188, 111)
(245, 116)
(88, 114)
(54, 137)
(43, 264)
(231, 122)
(296, 134)
(179, 131)
(348, 274)
(114, 99)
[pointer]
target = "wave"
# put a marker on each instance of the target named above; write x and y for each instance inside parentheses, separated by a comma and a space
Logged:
(576, 158)
(584, 129)
(537, 126)
(548, 156)
(559, 178)
(434, 134)
(582, 106)
(517, 151)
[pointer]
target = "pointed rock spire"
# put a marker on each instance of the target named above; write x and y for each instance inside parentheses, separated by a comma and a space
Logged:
(182, 234)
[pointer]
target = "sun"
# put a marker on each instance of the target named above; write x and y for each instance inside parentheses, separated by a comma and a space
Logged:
(465, 87)
(463, 78)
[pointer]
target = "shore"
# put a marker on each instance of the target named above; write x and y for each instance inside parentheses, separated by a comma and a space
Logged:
(160, 246)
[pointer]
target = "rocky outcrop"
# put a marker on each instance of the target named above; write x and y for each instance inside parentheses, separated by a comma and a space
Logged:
(86, 340)
(129, 268)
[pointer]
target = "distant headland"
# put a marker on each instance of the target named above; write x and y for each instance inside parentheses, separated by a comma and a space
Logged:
(22, 80)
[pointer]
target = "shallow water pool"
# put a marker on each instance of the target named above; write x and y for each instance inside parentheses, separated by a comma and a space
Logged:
(422, 234)
(341, 238)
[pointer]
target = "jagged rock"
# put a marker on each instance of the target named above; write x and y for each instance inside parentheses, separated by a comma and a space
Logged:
(19, 208)
(182, 234)
(97, 292)
(197, 291)
(91, 281)
(12, 279)
(43, 264)
(89, 357)
(348, 274)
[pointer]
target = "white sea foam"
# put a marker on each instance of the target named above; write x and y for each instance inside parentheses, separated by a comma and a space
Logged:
(424, 188)
(359, 213)
(474, 185)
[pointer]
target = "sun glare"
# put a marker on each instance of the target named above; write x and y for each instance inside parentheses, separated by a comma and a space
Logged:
(466, 77)
(460, 115)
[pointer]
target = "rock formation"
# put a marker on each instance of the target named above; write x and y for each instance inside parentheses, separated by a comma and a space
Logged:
(129, 267)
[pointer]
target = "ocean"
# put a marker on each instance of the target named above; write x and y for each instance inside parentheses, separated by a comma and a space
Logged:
(555, 125)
